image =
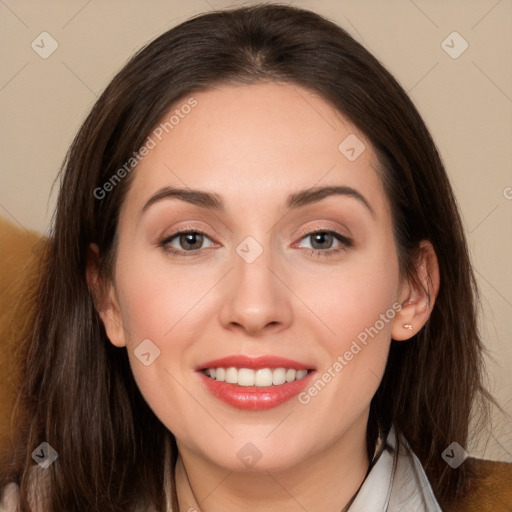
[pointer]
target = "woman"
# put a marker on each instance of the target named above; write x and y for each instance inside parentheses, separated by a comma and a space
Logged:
(195, 345)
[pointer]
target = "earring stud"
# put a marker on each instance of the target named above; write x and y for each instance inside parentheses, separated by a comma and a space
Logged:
(407, 326)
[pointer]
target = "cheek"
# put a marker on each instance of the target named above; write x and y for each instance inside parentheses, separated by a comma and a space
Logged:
(153, 307)
(359, 302)
(157, 298)
(358, 305)
(356, 294)
(165, 307)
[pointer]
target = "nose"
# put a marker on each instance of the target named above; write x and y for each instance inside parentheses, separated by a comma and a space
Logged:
(256, 298)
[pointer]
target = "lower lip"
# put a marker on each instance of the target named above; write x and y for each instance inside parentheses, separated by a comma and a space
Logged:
(252, 397)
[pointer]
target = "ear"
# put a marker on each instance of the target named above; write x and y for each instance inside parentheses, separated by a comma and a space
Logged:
(417, 296)
(105, 299)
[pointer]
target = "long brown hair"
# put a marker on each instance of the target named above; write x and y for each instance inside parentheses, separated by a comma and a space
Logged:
(77, 391)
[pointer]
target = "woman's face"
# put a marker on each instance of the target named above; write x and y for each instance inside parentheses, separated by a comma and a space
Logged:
(257, 283)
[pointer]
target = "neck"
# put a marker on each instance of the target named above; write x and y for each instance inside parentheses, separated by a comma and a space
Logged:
(325, 481)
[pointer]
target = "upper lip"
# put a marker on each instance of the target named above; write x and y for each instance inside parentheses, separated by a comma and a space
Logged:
(254, 362)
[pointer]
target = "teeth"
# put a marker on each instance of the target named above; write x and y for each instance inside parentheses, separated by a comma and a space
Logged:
(260, 378)
(231, 375)
(290, 375)
(278, 376)
(245, 376)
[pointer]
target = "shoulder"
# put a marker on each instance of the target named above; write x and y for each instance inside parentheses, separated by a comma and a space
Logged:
(490, 487)
(10, 498)
(37, 490)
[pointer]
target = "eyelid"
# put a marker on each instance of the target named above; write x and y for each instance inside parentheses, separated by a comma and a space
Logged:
(181, 231)
(344, 242)
(326, 229)
(187, 228)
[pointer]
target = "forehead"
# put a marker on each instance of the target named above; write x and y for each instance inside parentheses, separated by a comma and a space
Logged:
(257, 142)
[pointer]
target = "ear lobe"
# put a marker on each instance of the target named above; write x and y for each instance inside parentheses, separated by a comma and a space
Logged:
(418, 296)
(105, 300)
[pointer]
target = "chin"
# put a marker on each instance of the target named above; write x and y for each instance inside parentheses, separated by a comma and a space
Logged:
(257, 455)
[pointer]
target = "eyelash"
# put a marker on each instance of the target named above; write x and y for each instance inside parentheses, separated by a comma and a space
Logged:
(346, 243)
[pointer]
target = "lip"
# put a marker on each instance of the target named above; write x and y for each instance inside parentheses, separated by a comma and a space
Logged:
(255, 398)
(254, 362)
(252, 397)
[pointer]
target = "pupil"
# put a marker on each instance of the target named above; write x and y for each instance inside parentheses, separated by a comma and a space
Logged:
(320, 238)
(191, 239)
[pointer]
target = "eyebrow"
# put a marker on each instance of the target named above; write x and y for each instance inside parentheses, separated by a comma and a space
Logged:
(296, 200)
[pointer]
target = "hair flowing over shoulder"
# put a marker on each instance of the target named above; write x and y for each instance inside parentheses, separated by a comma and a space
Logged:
(77, 391)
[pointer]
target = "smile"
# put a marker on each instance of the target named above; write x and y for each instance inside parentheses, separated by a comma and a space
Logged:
(261, 377)
(255, 382)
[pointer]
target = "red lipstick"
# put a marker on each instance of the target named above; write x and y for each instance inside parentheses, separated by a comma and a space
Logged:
(255, 398)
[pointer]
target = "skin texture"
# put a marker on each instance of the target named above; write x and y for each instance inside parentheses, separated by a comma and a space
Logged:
(254, 145)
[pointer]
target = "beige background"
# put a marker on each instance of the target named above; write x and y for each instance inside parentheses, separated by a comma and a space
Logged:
(466, 102)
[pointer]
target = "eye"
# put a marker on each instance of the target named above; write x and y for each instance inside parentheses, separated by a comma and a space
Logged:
(189, 242)
(321, 242)
(181, 242)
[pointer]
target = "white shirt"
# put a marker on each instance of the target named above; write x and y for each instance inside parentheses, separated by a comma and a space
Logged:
(395, 483)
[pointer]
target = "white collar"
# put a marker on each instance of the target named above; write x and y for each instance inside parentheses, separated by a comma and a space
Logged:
(396, 482)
